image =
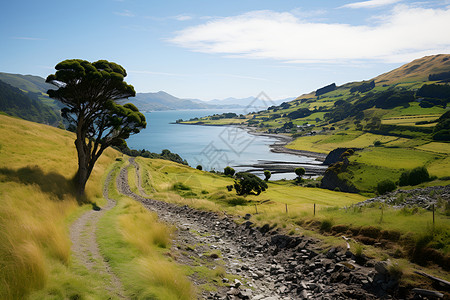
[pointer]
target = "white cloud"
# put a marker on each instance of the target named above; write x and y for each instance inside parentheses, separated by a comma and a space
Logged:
(125, 13)
(182, 18)
(370, 3)
(405, 32)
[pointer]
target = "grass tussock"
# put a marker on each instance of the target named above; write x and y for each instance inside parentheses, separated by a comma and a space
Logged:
(37, 163)
(134, 220)
(136, 245)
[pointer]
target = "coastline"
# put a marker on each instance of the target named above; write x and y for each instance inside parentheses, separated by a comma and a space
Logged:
(283, 140)
(278, 146)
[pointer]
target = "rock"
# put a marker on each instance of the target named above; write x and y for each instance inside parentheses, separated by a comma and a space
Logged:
(237, 283)
(381, 267)
(247, 216)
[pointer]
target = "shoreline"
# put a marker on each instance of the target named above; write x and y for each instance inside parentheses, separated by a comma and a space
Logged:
(283, 140)
(279, 147)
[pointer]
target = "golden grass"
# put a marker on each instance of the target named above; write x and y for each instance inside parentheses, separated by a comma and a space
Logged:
(37, 163)
(136, 243)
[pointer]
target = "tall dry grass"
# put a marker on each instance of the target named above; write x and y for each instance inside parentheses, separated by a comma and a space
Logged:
(37, 163)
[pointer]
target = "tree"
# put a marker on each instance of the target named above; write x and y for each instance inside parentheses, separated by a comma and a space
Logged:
(90, 92)
(229, 171)
(247, 183)
(300, 172)
(385, 186)
(199, 167)
(267, 175)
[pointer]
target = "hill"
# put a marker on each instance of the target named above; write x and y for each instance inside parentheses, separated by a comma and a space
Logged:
(400, 114)
(417, 70)
(34, 84)
(164, 101)
(26, 105)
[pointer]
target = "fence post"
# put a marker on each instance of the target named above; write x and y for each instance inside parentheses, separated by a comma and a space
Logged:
(256, 208)
(314, 209)
(286, 208)
(433, 214)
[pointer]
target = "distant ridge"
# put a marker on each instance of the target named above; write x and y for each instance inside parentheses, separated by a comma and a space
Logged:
(417, 70)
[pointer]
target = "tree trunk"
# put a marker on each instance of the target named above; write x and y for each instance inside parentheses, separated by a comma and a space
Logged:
(82, 173)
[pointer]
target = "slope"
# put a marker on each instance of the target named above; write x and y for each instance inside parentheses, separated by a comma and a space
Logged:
(27, 106)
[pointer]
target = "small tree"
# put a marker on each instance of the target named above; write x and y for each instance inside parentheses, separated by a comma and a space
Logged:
(229, 171)
(300, 172)
(414, 176)
(199, 167)
(90, 92)
(386, 186)
(267, 175)
(248, 184)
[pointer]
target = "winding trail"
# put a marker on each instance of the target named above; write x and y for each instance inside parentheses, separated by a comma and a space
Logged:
(270, 265)
(85, 250)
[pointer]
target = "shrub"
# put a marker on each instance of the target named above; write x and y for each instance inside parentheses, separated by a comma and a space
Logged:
(377, 143)
(228, 171)
(199, 167)
(326, 225)
(414, 176)
(181, 186)
(386, 186)
(247, 183)
(267, 175)
(300, 172)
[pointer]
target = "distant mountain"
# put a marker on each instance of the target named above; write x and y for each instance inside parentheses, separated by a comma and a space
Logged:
(262, 102)
(164, 101)
(26, 105)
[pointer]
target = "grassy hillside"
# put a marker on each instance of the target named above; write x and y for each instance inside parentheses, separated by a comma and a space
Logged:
(398, 111)
(37, 163)
(26, 105)
(34, 84)
(291, 208)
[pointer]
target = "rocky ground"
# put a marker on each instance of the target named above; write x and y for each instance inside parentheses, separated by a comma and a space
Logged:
(268, 264)
(421, 197)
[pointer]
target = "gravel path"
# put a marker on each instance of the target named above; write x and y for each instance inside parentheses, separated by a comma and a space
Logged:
(270, 265)
(85, 248)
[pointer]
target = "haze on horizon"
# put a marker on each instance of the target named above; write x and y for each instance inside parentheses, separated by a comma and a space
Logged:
(209, 50)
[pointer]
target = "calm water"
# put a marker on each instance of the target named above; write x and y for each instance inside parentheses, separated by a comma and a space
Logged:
(213, 147)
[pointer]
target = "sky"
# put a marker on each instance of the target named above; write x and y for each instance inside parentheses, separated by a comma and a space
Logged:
(210, 49)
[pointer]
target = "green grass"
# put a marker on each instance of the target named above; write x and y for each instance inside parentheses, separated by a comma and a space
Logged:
(395, 158)
(137, 246)
(37, 163)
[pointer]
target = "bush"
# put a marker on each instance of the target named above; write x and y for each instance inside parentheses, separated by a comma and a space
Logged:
(228, 171)
(300, 172)
(326, 225)
(267, 175)
(414, 176)
(247, 183)
(386, 186)
(179, 186)
(199, 167)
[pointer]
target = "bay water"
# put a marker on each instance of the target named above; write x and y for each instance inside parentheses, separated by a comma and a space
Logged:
(212, 147)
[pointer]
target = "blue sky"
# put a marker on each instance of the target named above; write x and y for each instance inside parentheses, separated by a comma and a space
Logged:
(217, 49)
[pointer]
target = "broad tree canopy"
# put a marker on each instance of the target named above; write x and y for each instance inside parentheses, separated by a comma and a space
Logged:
(90, 92)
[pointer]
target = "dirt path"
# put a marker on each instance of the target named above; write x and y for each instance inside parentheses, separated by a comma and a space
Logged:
(85, 248)
(270, 265)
